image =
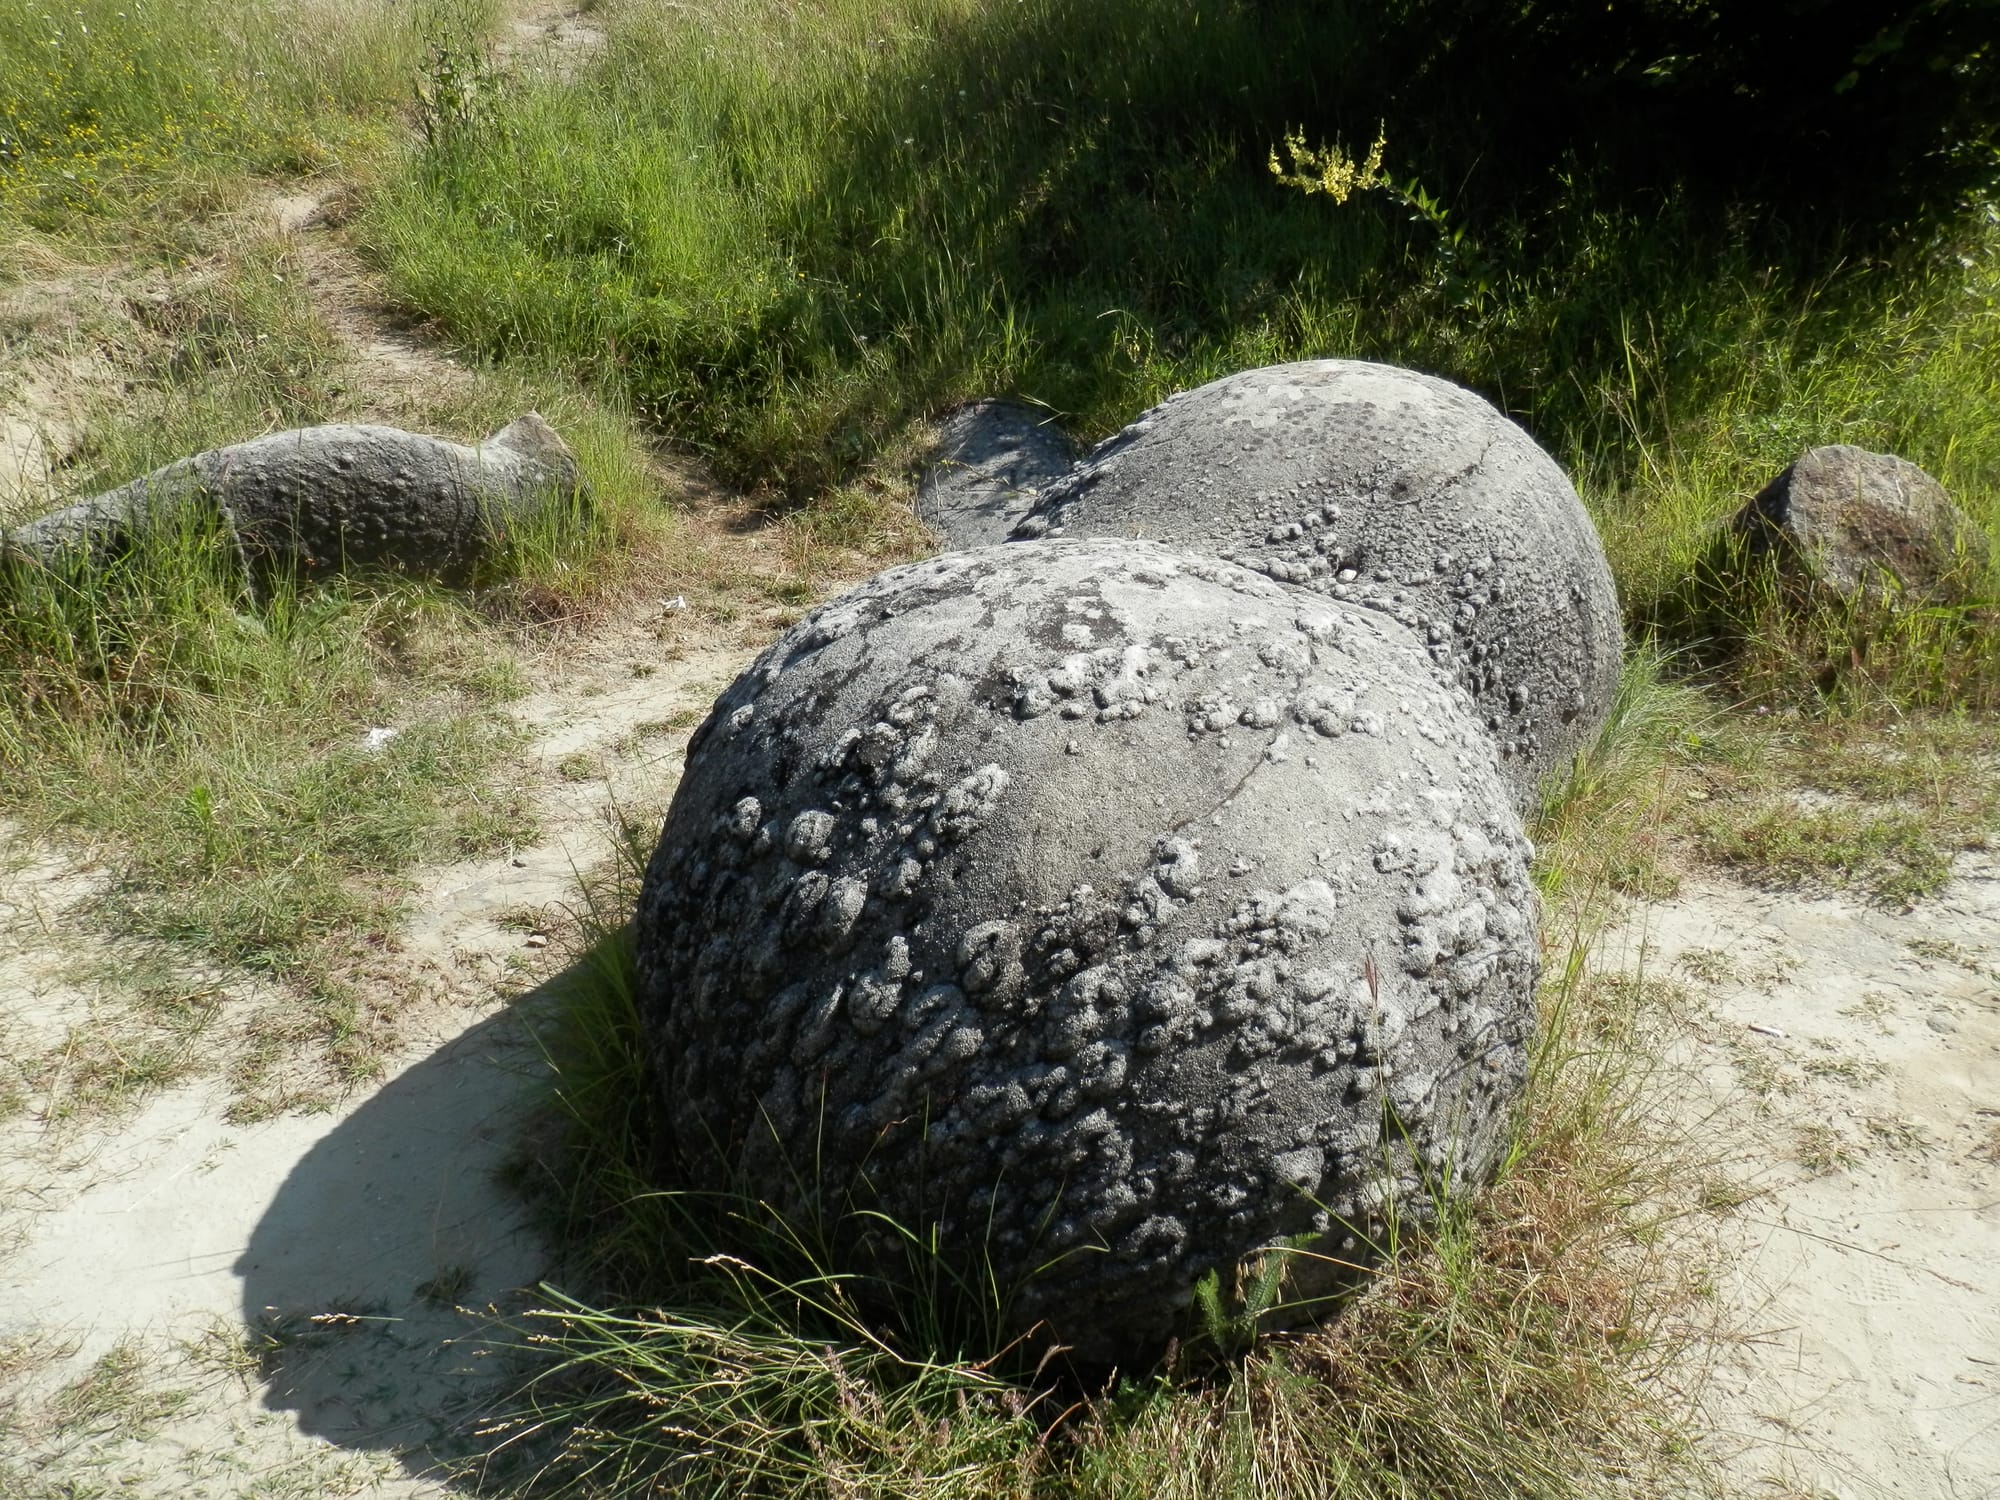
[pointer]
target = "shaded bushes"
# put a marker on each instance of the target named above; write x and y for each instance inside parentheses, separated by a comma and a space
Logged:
(1857, 116)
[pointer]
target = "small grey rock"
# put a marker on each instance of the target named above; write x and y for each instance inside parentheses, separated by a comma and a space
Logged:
(1394, 491)
(1857, 523)
(992, 459)
(319, 499)
(943, 913)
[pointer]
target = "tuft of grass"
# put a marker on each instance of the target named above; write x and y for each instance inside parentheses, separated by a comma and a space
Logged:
(1898, 1134)
(1847, 800)
(115, 1397)
(1603, 823)
(154, 1033)
(1821, 1149)
(1895, 852)
(1988, 1147)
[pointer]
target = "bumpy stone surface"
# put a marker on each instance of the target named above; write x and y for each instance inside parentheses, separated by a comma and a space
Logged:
(1392, 490)
(993, 458)
(1104, 905)
(1856, 521)
(322, 498)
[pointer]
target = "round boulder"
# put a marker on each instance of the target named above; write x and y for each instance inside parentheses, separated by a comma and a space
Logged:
(1861, 524)
(1397, 491)
(1115, 911)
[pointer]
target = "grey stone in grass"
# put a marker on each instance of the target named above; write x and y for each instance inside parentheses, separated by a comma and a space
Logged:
(992, 459)
(1396, 491)
(322, 498)
(1119, 911)
(1858, 523)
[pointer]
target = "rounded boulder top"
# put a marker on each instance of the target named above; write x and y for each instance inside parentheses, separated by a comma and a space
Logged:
(1116, 912)
(1395, 491)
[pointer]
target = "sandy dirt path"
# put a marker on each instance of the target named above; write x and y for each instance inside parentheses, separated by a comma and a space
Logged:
(1845, 1061)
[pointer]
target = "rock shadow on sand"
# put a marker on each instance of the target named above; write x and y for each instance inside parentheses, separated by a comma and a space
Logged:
(369, 1285)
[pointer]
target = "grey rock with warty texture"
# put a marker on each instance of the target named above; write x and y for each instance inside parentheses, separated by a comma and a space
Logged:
(993, 458)
(1105, 906)
(319, 499)
(1396, 491)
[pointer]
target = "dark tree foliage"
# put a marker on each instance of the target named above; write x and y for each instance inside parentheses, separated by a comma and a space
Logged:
(1869, 115)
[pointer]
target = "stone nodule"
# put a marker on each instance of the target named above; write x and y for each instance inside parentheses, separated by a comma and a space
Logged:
(1394, 491)
(1120, 912)
(320, 499)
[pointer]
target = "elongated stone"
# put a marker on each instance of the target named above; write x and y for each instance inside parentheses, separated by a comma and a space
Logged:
(320, 499)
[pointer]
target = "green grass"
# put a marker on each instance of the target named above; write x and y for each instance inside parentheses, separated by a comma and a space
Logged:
(786, 236)
(114, 110)
(150, 1026)
(1603, 828)
(1847, 800)
(206, 744)
(1788, 845)
(219, 737)
(115, 1395)
(787, 233)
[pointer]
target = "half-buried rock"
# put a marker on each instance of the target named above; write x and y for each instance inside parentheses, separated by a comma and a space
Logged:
(1117, 911)
(1393, 490)
(992, 459)
(320, 499)
(1856, 524)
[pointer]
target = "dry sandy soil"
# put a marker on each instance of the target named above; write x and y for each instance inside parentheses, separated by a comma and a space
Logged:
(1845, 1062)
(296, 1307)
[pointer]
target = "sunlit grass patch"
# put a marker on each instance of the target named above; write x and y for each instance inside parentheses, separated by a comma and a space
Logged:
(1604, 825)
(1847, 800)
(110, 109)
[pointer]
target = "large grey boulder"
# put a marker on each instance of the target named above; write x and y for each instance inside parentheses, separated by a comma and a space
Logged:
(1864, 524)
(992, 459)
(322, 498)
(1118, 911)
(1397, 491)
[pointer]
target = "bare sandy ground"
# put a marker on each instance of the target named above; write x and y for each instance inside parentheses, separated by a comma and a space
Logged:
(1846, 1060)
